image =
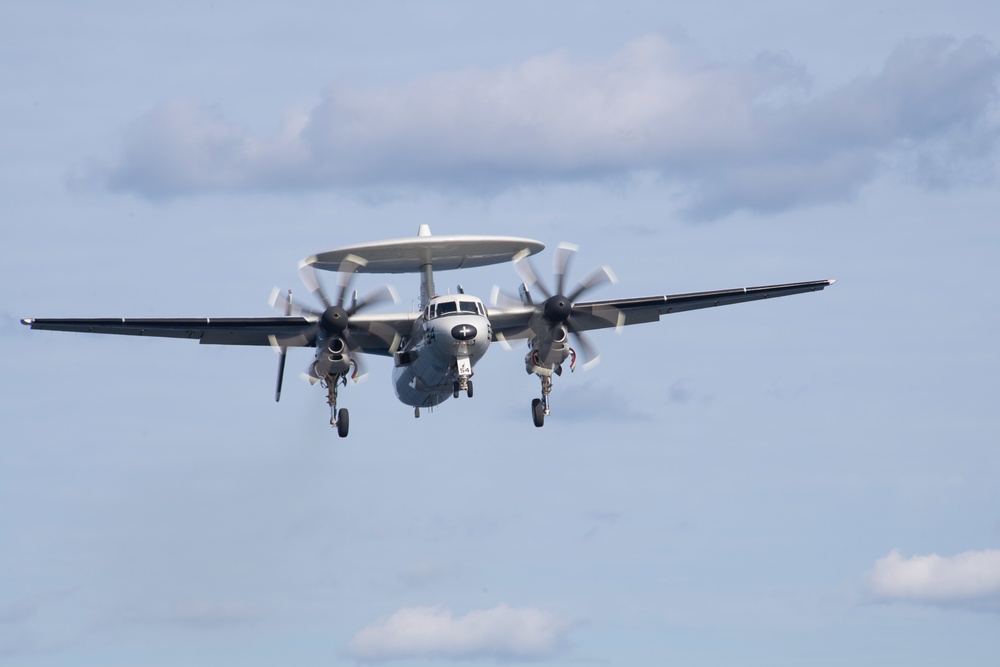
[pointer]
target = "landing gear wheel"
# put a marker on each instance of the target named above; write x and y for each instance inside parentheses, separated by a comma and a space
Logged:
(343, 422)
(454, 393)
(468, 390)
(537, 412)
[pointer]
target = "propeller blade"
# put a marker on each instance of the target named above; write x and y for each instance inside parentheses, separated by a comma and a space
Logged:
(308, 275)
(283, 350)
(360, 373)
(272, 300)
(280, 344)
(385, 333)
(591, 357)
(503, 341)
(527, 273)
(345, 274)
(281, 375)
(607, 315)
(289, 307)
(377, 295)
(560, 263)
(503, 300)
(598, 276)
(309, 375)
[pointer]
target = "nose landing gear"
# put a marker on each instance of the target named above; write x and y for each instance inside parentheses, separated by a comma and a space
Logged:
(463, 384)
(463, 369)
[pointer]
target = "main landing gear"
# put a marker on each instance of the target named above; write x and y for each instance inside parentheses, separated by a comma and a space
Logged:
(537, 412)
(540, 406)
(534, 365)
(341, 419)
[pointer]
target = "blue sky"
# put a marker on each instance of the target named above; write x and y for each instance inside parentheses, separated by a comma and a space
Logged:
(810, 480)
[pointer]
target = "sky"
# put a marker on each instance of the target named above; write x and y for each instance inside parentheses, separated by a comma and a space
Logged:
(810, 480)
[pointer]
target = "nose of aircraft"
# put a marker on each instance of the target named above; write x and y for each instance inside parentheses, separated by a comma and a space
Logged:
(464, 332)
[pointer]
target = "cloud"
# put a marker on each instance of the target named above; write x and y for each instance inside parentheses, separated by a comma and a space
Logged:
(725, 135)
(25, 608)
(685, 390)
(592, 401)
(423, 572)
(970, 579)
(434, 633)
(205, 614)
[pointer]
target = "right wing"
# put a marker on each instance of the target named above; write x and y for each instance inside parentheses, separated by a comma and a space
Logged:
(207, 330)
(373, 333)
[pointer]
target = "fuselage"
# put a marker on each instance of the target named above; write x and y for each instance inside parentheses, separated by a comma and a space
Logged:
(451, 335)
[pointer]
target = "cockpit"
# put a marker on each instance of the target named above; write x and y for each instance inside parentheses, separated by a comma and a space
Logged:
(458, 306)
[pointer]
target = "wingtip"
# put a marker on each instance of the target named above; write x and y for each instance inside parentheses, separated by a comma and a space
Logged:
(27, 321)
(831, 281)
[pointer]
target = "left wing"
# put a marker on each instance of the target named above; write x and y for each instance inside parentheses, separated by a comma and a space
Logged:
(513, 322)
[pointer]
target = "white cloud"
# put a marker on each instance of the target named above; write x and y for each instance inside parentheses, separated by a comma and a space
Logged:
(730, 135)
(433, 632)
(971, 579)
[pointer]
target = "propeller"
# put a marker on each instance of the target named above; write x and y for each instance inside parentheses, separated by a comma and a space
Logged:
(558, 309)
(333, 321)
(282, 349)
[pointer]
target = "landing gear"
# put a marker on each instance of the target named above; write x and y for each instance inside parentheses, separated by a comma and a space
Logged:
(340, 419)
(460, 386)
(463, 369)
(343, 422)
(540, 406)
(537, 412)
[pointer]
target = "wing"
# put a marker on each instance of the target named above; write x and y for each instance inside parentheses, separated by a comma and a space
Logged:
(372, 333)
(207, 330)
(513, 322)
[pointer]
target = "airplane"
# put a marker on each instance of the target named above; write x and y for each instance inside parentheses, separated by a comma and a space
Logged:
(434, 349)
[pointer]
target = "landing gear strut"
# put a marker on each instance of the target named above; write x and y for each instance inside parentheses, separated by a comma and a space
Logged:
(340, 419)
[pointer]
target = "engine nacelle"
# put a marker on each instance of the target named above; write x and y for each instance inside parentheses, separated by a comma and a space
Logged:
(548, 350)
(332, 357)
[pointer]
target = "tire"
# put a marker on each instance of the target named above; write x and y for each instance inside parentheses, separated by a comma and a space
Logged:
(468, 390)
(343, 422)
(454, 392)
(537, 412)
